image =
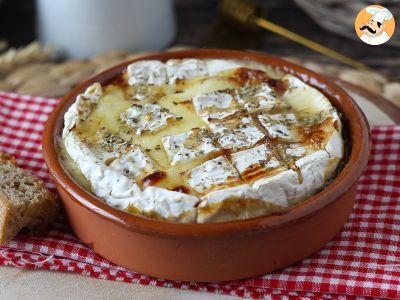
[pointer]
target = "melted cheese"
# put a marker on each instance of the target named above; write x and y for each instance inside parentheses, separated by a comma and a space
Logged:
(216, 66)
(304, 99)
(193, 141)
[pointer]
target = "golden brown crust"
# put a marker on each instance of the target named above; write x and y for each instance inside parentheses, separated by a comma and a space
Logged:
(7, 158)
(4, 218)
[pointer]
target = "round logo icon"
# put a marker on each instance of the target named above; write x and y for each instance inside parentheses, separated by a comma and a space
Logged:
(374, 25)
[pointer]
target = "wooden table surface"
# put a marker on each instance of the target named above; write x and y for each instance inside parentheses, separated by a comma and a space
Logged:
(197, 18)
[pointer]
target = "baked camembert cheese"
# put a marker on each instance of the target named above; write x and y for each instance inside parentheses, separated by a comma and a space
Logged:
(202, 141)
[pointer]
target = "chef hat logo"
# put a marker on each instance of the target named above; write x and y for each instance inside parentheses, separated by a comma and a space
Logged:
(374, 25)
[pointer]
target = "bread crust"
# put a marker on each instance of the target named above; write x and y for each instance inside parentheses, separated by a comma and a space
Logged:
(4, 218)
(34, 215)
(7, 158)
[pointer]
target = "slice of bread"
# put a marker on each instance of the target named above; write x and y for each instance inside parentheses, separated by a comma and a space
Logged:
(25, 203)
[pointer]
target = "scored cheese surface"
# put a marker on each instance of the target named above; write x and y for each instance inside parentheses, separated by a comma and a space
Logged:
(202, 140)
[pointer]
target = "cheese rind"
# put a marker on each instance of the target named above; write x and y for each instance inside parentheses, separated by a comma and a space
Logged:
(212, 175)
(254, 162)
(278, 125)
(295, 150)
(153, 72)
(133, 163)
(106, 183)
(278, 189)
(120, 191)
(169, 204)
(215, 106)
(312, 169)
(244, 159)
(243, 191)
(147, 72)
(185, 68)
(279, 130)
(211, 206)
(195, 143)
(237, 134)
(146, 117)
(278, 118)
(120, 155)
(334, 145)
(253, 98)
(82, 107)
(216, 66)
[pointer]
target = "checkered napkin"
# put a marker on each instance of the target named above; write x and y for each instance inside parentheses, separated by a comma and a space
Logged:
(362, 260)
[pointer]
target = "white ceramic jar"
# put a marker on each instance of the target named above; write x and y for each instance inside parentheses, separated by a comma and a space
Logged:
(80, 28)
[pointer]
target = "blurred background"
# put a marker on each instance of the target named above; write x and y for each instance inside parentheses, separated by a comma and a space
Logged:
(88, 36)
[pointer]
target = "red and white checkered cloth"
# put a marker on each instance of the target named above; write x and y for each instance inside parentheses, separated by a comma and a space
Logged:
(362, 260)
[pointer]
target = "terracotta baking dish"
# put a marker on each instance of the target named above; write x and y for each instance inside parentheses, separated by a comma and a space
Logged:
(222, 251)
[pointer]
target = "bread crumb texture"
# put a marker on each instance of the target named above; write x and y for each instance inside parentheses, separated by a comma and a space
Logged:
(25, 203)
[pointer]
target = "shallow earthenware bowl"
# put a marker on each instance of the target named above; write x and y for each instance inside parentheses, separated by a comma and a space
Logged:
(221, 251)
